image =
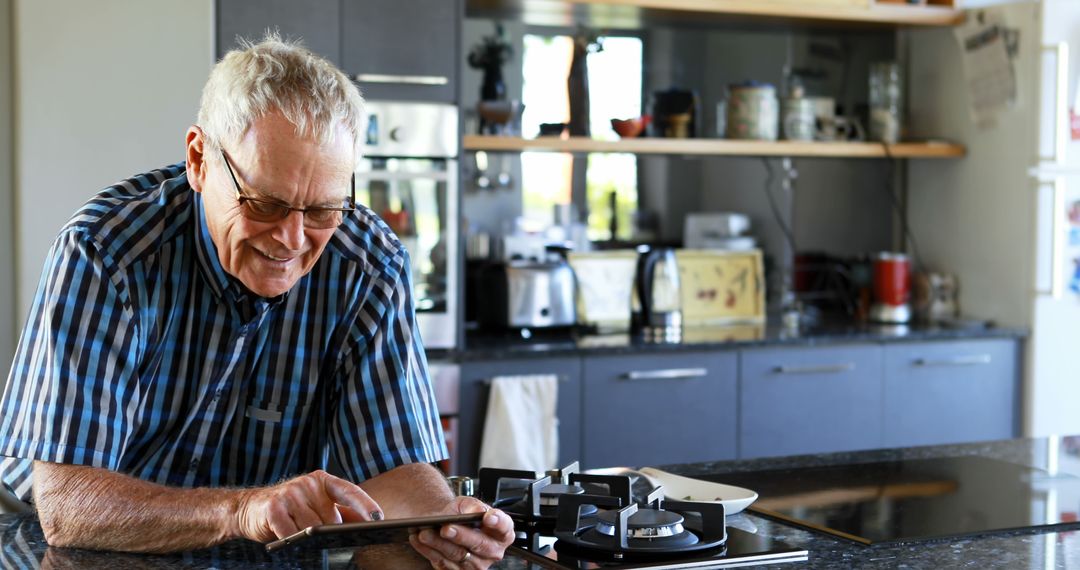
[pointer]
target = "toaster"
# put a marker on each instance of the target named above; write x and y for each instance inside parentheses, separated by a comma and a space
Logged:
(527, 294)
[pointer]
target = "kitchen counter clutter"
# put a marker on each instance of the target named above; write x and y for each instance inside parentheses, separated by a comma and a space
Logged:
(22, 543)
(486, 346)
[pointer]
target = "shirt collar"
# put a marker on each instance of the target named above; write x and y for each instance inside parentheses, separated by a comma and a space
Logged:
(206, 252)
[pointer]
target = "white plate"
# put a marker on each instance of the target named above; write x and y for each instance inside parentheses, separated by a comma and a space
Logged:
(679, 488)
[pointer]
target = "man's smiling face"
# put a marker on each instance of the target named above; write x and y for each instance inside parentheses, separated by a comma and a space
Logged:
(273, 163)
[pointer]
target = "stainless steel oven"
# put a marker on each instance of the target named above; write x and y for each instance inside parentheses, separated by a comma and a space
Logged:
(408, 176)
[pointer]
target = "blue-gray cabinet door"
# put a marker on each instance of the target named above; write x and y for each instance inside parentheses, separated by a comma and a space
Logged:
(403, 49)
(809, 400)
(658, 409)
(476, 379)
(951, 392)
(316, 22)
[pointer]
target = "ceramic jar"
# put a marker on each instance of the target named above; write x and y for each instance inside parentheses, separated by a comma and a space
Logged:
(752, 112)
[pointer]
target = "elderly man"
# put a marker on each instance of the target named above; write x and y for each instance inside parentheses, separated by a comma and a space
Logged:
(206, 331)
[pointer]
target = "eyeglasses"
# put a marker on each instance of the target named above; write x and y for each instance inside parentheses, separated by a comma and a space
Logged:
(269, 211)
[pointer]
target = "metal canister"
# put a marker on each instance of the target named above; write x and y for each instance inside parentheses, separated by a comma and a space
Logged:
(752, 112)
(462, 486)
(798, 119)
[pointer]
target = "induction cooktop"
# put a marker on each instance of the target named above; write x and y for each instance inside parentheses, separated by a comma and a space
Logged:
(914, 499)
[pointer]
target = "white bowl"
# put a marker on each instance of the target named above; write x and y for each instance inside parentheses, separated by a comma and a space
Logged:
(679, 488)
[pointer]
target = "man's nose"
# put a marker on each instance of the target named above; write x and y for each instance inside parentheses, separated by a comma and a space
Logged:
(290, 231)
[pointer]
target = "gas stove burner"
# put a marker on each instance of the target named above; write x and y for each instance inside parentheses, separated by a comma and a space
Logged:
(647, 523)
(549, 496)
(534, 502)
(656, 527)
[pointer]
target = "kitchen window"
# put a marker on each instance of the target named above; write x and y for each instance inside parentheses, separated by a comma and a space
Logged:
(615, 85)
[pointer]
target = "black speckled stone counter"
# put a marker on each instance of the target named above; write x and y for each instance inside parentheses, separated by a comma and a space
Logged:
(22, 545)
(566, 343)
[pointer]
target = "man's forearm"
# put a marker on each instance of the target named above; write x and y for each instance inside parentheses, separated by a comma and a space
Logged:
(413, 490)
(94, 508)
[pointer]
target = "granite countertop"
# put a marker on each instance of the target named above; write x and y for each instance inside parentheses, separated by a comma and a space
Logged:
(22, 544)
(487, 346)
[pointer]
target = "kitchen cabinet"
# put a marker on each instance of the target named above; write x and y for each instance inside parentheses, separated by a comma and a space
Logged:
(809, 400)
(659, 408)
(475, 385)
(718, 147)
(626, 13)
(394, 50)
(402, 50)
(950, 392)
(316, 22)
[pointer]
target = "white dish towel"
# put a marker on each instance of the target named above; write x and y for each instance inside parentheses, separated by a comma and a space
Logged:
(521, 430)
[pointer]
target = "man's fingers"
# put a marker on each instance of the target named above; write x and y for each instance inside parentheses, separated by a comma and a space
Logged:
(280, 521)
(348, 514)
(448, 551)
(304, 516)
(351, 496)
(426, 551)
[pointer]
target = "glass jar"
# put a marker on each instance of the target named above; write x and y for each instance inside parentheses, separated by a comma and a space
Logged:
(886, 87)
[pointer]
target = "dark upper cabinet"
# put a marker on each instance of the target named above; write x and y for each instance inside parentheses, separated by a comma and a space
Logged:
(394, 49)
(316, 22)
(402, 49)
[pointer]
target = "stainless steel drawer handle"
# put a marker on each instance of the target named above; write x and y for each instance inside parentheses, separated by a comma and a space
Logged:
(957, 361)
(405, 79)
(668, 374)
(818, 369)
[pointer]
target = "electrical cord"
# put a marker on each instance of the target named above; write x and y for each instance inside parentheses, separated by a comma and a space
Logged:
(780, 221)
(890, 163)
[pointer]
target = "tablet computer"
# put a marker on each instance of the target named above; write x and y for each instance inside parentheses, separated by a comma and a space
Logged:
(347, 535)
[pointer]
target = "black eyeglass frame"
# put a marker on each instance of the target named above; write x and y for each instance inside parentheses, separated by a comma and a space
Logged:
(287, 209)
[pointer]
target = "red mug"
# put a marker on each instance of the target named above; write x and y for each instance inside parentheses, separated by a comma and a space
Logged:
(892, 279)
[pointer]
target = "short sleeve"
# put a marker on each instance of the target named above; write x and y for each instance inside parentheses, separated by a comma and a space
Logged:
(387, 415)
(72, 390)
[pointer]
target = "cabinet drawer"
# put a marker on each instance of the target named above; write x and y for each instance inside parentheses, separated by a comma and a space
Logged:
(476, 386)
(950, 392)
(809, 400)
(402, 50)
(659, 409)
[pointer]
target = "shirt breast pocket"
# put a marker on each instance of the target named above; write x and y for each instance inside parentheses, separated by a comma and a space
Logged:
(279, 415)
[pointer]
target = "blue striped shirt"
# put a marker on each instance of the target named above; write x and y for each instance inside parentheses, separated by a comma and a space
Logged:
(141, 355)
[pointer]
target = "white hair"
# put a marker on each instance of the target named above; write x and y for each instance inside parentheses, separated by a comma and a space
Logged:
(280, 75)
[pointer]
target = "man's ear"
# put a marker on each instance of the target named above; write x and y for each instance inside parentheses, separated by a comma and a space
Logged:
(196, 158)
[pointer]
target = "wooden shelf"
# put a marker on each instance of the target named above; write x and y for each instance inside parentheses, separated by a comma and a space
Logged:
(717, 147)
(616, 13)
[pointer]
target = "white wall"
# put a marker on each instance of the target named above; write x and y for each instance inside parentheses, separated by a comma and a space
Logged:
(103, 90)
(7, 233)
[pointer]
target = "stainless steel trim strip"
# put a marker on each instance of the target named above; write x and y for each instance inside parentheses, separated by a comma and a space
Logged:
(666, 374)
(402, 79)
(969, 360)
(815, 369)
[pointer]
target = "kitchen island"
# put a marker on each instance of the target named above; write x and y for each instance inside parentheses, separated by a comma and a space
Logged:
(22, 544)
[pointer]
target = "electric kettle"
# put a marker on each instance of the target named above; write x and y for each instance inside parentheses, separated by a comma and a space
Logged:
(655, 300)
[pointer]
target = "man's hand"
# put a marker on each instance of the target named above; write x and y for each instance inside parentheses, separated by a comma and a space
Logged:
(456, 547)
(270, 513)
